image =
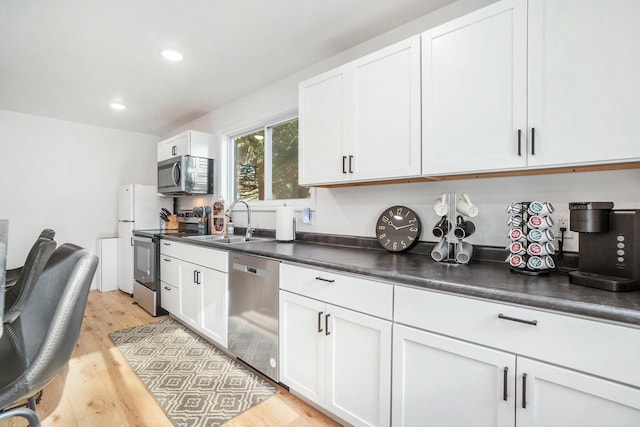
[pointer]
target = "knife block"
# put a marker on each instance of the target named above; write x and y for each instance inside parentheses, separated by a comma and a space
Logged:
(172, 224)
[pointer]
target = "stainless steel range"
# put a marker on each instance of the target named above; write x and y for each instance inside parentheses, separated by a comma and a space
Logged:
(253, 312)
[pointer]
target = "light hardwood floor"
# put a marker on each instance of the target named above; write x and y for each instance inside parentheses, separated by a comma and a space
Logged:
(98, 388)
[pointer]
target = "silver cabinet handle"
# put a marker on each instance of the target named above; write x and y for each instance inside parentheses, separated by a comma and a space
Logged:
(504, 384)
(515, 319)
(325, 280)
(524, 391)
(326, 324)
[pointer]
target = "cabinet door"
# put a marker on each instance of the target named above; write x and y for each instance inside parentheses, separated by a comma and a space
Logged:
(214, 305)
(190, 294)
(323, 128)
(475, 91)
(584, 64)
(170, 270)
(302, 345)
(556, 396)
(385, 113)
(358, 367)
(445, 382)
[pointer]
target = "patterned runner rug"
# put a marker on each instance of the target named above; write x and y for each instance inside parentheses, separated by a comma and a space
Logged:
(194, 383)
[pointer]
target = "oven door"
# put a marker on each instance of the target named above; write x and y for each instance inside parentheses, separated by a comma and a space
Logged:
(144, 267)
(171, 175)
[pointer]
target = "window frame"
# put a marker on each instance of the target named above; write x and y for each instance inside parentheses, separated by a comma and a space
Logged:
(269, 204)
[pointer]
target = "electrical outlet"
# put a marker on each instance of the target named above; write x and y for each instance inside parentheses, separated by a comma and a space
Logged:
(562, 221)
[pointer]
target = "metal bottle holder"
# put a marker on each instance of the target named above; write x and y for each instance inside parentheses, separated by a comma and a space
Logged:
(453, 228)
(531, 248)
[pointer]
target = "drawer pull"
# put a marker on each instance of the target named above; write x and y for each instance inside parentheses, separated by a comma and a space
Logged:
(325, 280)
(167, 259)
(320, 313)
(167, 288)
(524, 391)
(504, 384)
(515, 319)
(166, 244)
(326, 324)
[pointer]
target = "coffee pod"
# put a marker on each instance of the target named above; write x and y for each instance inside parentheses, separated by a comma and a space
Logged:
(517, 261)
(516, 234)
(535, 263)
(517, 248)
(541, 249)
(515, 208)
(515, 221)
(440, 205)
(550, 263)
(540, 236)
(540, 208)
(537, 221)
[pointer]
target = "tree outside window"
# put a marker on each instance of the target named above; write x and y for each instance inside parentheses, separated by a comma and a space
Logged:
(266, 163)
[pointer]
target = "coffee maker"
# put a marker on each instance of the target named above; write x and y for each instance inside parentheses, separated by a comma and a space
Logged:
(609, 254)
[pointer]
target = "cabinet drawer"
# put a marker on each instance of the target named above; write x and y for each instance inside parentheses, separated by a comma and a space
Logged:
(366, 296)
(587, 345)
(170, 270)
(206, 257)
(170, 298)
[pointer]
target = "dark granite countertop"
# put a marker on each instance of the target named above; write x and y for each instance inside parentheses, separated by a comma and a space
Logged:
(482, 279)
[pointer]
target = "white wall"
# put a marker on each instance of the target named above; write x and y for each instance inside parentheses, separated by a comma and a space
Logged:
(65, 176)
(354, 210)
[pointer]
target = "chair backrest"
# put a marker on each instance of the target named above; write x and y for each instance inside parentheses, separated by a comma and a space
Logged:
(17, 295)
(48, 233)
(49, 325)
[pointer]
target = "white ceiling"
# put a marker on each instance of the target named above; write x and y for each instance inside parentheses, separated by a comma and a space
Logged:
(69, 59)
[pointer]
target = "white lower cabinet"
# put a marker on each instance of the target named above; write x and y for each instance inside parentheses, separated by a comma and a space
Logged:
(194, 287)
(552, 396)
(444, 382)
(337, 358)
(458, 361)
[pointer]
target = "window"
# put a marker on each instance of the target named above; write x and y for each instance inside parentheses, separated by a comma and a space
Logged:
(265, 163)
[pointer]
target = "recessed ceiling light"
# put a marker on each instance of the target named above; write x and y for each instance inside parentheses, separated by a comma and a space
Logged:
(118, 107)
(172, 55)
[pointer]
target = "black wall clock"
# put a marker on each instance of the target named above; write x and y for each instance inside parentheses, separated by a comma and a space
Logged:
(398, 228)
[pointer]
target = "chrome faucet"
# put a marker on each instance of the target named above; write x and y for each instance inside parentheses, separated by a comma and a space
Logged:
(249, 232)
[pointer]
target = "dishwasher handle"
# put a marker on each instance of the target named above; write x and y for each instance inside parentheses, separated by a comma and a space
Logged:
(251, 270)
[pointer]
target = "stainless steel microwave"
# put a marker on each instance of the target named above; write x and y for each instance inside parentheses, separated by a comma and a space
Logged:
(185, 175)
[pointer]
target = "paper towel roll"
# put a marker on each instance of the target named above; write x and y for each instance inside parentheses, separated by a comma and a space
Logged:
(284, 224)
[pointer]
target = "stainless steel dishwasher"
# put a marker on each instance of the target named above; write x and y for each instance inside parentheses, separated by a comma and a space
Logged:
(253, 312)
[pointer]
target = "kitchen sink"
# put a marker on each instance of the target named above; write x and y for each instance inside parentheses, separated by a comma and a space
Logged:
(219, 238)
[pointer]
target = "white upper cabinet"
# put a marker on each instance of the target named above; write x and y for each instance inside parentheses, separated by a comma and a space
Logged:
(474, 91)
(584, 90)
(532, 84)
(322, 127)
(361, 121)
(190, 142)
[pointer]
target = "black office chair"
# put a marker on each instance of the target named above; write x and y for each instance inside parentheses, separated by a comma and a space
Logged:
(12, 275)
(39, 343)
(16, 297)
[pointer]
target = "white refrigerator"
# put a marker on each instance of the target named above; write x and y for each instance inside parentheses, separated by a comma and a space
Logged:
(138, 209)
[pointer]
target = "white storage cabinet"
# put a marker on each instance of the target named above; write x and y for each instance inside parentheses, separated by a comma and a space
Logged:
(531, 84)
(461, 361)
(190, 142)
(361, 121)
(336, 357)
(194, 280)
